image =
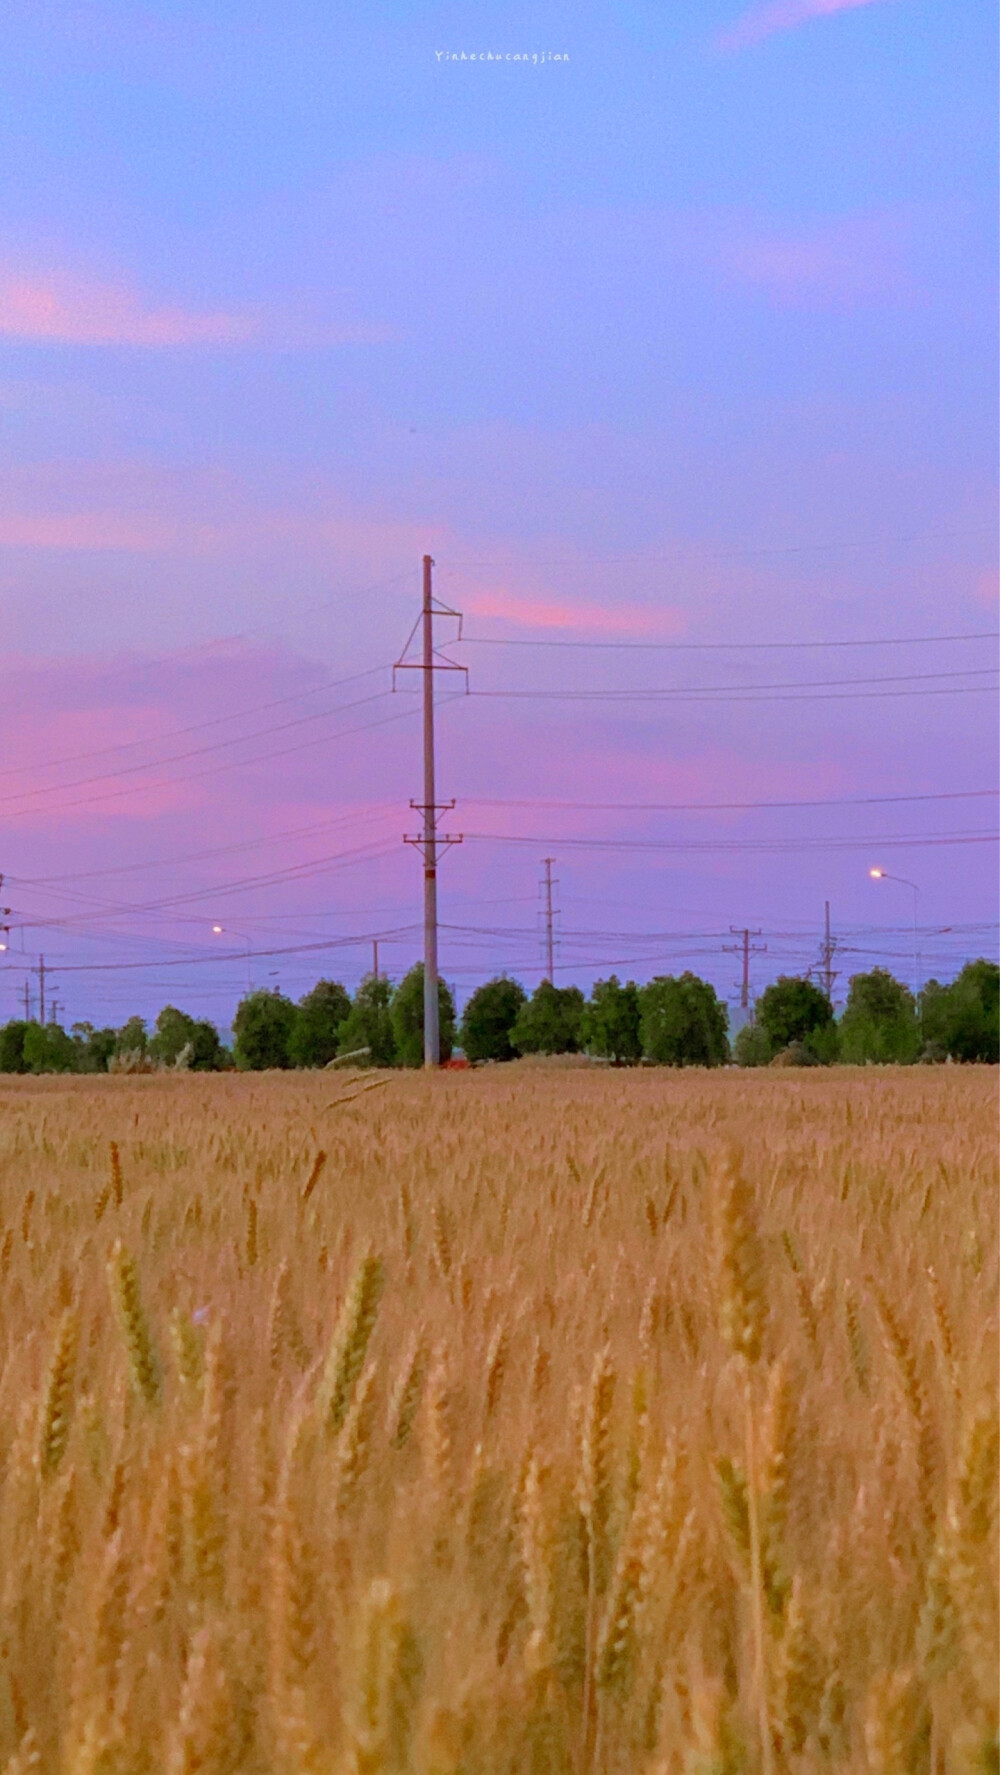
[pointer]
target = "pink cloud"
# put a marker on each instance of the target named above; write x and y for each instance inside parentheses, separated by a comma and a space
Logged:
(74, 311)
(62, 309)
(533, 613)
(781, 15)
(838, 262)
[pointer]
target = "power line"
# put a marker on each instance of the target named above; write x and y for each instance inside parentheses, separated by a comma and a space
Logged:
(715, 695)
(753, 846)
(729, 806)
(727, 646)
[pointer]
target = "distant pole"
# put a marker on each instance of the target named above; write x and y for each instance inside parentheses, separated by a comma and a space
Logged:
(746, 949)
(27, 1002)
(375, 958)
(431, 843)
(549, 946)
(432, 1042)
(828, 973)
(41, 989)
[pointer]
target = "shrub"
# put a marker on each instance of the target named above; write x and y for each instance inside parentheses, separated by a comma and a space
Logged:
(12, 1046)
(683, 1022)
(550, 1022)
(319, 1019)
(611, 1021)
(794, 1010)
(879, 1021)
(368, 1023)
(963, 1019)
(489, 1017)
(751, 1046)
(262, 1027)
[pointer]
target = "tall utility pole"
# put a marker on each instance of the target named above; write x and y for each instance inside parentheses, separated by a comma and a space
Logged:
(549, 945)
(827, 972)
(746, 949)
(430, 843)
(27, 1002)
(375, 957)
(41, 971)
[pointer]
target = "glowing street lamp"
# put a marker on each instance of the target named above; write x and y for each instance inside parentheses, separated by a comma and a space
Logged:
(221, 930)
(883, 875)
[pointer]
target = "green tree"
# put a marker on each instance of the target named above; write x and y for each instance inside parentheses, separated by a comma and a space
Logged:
(368, 1023)
(12, 1046)
(751, 1046)
(174, 1032)
(320, 1017)
(47, 1048)
(879, 1021)
(94, 1047)
(963, 1019)
(791, 1010)
(489, 1017)
(131, 1038)
(683, 1022)
(611, 1021)
(207, 1051)
(407, 1014)
(261, 1028)
(550, 1022)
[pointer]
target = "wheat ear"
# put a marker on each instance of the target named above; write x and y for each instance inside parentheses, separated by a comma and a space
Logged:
(144, 1366)
(346, 1356)
(57, 1400)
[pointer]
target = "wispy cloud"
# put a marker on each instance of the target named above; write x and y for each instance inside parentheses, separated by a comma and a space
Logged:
(533, 613)
(74, 311)
(782, 15)
(60, 308)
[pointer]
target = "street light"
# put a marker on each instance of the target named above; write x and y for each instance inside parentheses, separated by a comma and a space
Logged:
(222, 930)
(883, 875)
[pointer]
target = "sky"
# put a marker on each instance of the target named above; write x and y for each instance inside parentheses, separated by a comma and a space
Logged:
(668, 332)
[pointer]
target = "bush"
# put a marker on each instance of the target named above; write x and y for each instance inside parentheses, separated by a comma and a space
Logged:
(794, 1010)
(407, 1013)
(131, 1038)
(489, 1017)
(611, 1021)
(550, 1022)
(47, 1048)
(262, 1027)
(12, 1046)
(94, 1047)
(879, 1021)
(368, 1023)
(751, 1046)
(683, 1022)
(320, 1017)
(190, 1041)
(963, 1019)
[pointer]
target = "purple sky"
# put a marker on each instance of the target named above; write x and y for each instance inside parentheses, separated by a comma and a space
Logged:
(672, 348)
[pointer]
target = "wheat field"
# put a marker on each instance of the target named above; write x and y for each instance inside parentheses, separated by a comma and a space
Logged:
(532, 1419)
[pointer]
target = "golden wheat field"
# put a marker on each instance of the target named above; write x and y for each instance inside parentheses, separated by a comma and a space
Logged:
(525, 1420)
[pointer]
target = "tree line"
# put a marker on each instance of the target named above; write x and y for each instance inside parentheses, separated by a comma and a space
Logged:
(670, 1021)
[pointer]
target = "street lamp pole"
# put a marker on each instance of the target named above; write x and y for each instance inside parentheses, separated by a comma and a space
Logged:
(883, 875)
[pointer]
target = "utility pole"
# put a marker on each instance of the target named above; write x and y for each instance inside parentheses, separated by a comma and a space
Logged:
(827, 972)
(27, 1002)
(746, 949)
(375, 957)
(41, 971)
(430, 842)
(549, 946)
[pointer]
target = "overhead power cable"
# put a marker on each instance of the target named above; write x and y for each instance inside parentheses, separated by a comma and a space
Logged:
(723, 646)
(729, 806)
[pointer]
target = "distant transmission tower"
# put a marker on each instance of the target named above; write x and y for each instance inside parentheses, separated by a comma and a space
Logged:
(746, 949)
(430, 843)
(548, 885)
